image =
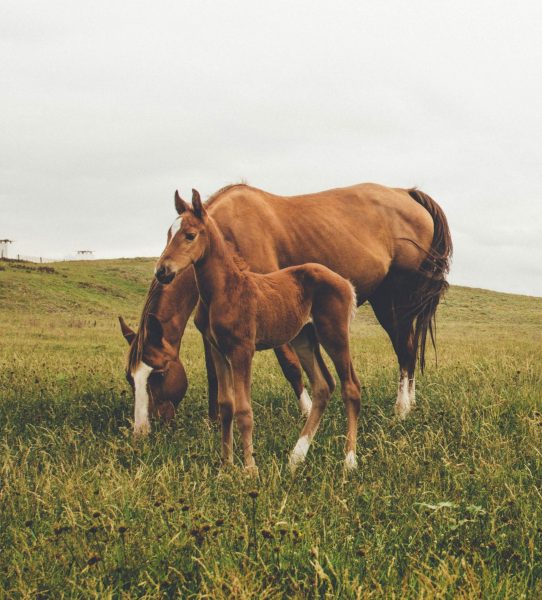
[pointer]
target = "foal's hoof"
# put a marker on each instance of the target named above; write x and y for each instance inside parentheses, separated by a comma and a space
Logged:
(252, 471)
(350, 461)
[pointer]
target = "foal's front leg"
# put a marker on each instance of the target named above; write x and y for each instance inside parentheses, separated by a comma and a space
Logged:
(241, 362)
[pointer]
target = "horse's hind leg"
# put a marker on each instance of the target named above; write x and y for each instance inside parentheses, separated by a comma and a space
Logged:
(290, 365)
(226, 403)
(391, 309)
(322, 385)
(212, 381)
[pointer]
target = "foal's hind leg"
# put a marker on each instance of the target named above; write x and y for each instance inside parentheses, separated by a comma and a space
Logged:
(332, 326)
(389, 306)
(289, 363)
(322, 385)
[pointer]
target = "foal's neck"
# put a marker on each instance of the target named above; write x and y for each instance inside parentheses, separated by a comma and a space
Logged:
(216, 272)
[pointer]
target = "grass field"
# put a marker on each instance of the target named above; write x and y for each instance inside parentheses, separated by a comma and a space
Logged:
(446, 504)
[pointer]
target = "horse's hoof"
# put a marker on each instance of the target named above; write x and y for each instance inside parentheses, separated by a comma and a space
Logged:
(402, 411)
(252, 471)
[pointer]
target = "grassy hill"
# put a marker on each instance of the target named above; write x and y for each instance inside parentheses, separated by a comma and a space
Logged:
(445, 504)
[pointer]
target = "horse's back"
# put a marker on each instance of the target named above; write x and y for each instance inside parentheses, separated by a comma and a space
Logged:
(360, 232)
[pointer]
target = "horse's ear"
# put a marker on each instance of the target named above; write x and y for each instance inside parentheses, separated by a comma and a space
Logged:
(129, 334)
(155, 331)
(197, 205)
(180, 205)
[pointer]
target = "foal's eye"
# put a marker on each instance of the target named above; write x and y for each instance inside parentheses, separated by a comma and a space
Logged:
(190, 236)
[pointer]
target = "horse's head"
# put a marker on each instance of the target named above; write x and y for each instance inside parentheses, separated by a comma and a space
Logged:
(154, 372)
(187, 239)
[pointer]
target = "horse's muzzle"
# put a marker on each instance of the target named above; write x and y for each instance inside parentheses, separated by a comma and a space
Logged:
(164, 275)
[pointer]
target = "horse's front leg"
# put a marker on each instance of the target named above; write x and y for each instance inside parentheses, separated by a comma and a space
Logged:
(212, 381)
(241, 362)
(226, 402)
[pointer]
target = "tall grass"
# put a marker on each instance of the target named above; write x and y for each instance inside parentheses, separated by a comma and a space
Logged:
(446, 504)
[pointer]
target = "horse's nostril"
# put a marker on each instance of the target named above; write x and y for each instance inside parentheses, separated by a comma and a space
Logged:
(164, 274)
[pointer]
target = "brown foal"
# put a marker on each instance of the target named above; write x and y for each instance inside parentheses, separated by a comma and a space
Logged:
(240, 312)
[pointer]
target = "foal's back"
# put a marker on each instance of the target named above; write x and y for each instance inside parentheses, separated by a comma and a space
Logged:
(286, 300)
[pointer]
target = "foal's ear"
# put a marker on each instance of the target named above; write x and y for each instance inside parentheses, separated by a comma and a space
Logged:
(180, 205)
(129, 334)
(155, 332)
(197, 205)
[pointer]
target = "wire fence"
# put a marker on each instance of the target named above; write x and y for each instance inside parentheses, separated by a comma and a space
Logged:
(44, 259)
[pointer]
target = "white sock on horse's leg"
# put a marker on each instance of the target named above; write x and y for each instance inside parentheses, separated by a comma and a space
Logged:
(412, 391)
(402, 405)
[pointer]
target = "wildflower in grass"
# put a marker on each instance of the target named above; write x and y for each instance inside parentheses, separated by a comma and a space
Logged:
(157, 503)
(267, 534)
(93, 560)
(185, 508)
(28, 523)
(122, 529)
(253, 494)
(96, 514)
(219, 522)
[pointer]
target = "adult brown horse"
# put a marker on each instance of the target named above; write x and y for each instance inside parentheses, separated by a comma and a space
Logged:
(393, 244)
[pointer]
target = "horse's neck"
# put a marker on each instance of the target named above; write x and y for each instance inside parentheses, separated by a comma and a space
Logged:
(174, 304)
(217, 274)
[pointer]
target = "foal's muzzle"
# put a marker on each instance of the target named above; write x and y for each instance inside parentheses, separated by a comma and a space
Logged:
(164, 274)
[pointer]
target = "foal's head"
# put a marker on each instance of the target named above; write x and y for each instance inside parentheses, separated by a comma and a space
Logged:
(187, 239)
(154, 372)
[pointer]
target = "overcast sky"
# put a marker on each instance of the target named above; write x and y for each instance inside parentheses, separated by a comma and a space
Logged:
(107, 107)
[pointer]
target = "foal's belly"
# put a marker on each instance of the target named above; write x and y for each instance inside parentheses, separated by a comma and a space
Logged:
(280, 326)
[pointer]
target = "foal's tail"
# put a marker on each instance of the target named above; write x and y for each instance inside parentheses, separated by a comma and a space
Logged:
(432, 282)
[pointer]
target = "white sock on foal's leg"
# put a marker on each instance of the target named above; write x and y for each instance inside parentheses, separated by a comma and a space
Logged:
(305, 403)
(350, 461)
(402, 405)
(299, 452)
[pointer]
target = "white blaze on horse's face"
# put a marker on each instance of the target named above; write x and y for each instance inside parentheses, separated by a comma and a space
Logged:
(141, 392)
(175, 226)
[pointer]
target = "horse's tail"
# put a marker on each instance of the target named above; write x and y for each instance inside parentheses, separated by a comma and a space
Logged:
(432, 273)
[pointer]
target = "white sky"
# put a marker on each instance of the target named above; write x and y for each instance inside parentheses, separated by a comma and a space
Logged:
(107, 107)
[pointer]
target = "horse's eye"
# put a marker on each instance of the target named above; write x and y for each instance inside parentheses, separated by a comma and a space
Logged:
(190, 236)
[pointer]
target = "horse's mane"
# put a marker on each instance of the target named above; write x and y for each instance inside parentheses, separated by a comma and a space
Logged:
(135, 356)
(214, 197)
